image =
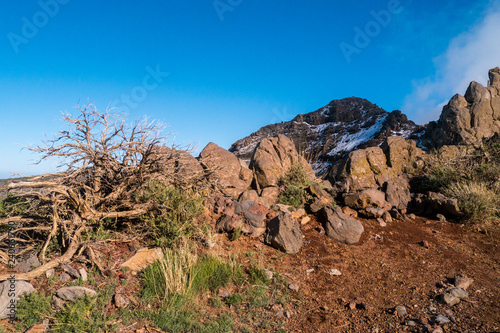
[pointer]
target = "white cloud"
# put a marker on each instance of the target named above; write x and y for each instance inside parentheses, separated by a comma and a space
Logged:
(468, 58)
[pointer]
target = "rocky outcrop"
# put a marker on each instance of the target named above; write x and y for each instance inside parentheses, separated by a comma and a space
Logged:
(273, 158)
(283, 233)
(228, 173)
(378, 177)
(341, 227)
(468, 119)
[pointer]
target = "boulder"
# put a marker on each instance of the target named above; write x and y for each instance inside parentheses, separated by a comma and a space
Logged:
(370, 198)
(397, 192)
(142, 259)
(254, 216)
(251, 195)
(341, 227)
(317, 192)
(384, 170)
(27, 265)
(431, 203)
(180, 164)
(273, 158)
(283, 233)
(228, 224)
(270, 195)
(10, 293)
(228, 173)
(72, 293)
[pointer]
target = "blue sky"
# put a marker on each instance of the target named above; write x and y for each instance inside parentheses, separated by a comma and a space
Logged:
(219, 70)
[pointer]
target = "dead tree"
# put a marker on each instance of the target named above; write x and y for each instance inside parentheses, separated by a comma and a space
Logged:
(106, 161)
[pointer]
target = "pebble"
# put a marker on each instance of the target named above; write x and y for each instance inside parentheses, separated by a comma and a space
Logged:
(440, 319)
(64, 277)
(334, 272)
(381, 222)
(50, 273)
(293, 287)
(288, 314)
(441, 217)
(432, 309)
(269, 274)
(400, 310)
(83, 274)
(71, 271)
(462, 281)
(411, 323)
(121, 301)
(424, 243)
(57, 302)
(309, 271)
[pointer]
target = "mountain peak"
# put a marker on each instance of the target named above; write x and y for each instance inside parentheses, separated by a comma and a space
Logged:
(326, 134)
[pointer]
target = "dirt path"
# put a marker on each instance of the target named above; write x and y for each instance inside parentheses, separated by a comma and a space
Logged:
(389, 268)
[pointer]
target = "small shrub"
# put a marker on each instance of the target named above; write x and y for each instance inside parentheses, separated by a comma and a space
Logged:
(32, 309)
(257, 276)
(177, 215)
(295, 176)
(235, 299)
(292, 196)
(475, 200)
(237, 234)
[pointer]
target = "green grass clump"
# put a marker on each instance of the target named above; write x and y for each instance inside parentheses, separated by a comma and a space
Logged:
(86, 314)
(292, 196)
(257, 297)
(235, 299)
(294, 182)
(213, 273)
(472, 177)
(32, 309)
(475, 200)
(257, 276)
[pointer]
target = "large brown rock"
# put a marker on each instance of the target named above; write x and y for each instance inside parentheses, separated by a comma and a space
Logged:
(228, 173)
(178, 164)
(341, 227)
(375, 166)
(370, 198)
(273, 158)
(283, 233)
(431, 203)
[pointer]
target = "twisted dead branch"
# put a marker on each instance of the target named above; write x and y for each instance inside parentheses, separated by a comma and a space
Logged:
(106, 163)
